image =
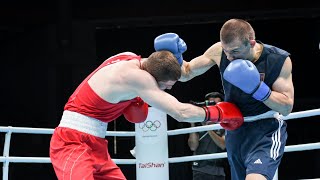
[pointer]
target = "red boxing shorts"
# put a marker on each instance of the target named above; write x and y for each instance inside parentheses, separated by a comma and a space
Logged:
(77, 154)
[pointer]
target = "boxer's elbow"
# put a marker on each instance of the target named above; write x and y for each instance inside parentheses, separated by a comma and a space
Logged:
(287, 109)
(287, 105)
(282, 105)
(186, 73)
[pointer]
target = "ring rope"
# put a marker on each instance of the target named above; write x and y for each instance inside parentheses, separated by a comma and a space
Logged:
(9, 130)
(268, 114)
(291, 148)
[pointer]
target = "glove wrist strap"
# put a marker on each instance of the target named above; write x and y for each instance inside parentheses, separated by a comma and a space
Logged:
(262, 93)
(207, 113)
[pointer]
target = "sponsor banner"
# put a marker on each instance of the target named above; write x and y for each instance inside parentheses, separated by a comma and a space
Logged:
(152, 147)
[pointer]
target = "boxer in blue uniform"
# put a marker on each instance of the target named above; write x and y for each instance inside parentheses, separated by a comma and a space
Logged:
(261, 142)
(257, 78)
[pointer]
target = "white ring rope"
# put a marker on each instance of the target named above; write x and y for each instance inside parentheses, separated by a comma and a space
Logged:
(268, 114)
(292, 148)
(9, 130)
(15, 159)
(50, 131)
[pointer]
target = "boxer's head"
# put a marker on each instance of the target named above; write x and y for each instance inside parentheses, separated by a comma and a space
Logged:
(164, 67)
(237, 37)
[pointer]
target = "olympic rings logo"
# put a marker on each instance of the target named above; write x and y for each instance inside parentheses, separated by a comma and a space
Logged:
(149, 125)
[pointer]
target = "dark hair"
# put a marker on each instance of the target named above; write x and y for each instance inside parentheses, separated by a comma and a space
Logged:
(214, 95)
(163, 66)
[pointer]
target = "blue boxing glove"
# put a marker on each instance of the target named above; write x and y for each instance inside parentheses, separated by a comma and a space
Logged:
(171, 42)
(245, 75)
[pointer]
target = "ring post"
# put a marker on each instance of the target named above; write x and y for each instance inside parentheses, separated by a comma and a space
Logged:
(152, 147)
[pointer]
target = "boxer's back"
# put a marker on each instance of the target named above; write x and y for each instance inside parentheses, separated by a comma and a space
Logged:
(90, 100)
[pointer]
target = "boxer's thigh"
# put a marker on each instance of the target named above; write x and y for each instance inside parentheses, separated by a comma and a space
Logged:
(70, 155)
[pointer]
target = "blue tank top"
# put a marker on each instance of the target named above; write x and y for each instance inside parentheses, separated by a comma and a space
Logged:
(269, 66)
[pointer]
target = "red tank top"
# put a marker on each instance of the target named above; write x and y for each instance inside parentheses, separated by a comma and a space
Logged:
(85, 101)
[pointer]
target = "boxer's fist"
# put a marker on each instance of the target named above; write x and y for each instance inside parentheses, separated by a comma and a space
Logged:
(225, 113)
(137, 111)
(171, 42)
(245, 75)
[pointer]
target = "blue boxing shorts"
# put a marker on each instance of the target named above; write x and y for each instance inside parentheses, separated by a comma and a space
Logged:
(256, 147)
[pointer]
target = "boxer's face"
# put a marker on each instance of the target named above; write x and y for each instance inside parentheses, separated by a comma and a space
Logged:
(236, 50)
(166, 84)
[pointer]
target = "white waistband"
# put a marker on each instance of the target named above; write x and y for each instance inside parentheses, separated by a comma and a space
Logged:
(83, 123)
(266, 115)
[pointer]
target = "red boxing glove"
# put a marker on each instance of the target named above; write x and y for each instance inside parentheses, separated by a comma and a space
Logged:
(227, 114)
(137, 111)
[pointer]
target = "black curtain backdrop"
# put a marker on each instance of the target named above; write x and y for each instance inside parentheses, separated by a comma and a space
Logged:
(43, 63)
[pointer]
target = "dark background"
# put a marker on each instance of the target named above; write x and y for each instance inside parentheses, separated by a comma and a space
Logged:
(48, 47)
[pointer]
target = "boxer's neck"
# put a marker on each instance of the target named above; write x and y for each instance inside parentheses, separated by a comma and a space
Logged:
(257, 51)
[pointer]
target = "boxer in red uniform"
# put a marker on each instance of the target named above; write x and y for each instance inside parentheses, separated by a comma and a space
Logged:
(123, 85)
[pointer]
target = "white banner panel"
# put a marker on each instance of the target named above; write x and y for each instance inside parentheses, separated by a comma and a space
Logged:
(152, 147)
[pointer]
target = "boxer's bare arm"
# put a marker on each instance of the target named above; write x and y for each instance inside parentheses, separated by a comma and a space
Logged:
(282, 95)
(202, 63)
(111, 82)
(145, 86)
